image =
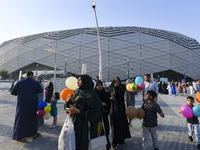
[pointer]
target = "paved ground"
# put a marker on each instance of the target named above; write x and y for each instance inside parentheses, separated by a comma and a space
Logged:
(172, 130)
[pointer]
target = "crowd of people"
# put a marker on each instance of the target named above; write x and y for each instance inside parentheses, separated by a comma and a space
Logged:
(94, 103)
(173, 88)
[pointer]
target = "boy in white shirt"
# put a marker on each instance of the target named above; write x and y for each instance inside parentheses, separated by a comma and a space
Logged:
(191, 88)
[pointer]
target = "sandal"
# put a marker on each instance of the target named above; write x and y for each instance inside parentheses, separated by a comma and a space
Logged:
(36, 136)
(22, 140)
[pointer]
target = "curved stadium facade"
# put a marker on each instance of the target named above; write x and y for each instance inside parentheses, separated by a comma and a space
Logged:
(152, 51)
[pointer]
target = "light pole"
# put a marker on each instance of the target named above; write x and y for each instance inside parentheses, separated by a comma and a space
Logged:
(36, 70)
(127, 68)
(65, 68)
(54, 60)
(100, 62)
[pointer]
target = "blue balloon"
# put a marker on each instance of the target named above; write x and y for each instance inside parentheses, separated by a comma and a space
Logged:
(138, 80)
(183, 80)
(42, 105)
(196, 111)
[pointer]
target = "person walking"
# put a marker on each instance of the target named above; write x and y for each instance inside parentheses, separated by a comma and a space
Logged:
(26, 111)
(40, 98)
(85, 110)
(54, 99)
(150, 85)
(100, 90)
(151, 108)
(49, 93)
(129, 97)
(118, 118)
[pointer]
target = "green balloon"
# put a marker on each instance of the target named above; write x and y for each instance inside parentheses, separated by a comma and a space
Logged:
(133, 86)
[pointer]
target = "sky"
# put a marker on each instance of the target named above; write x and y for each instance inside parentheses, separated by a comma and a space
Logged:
(27, 17)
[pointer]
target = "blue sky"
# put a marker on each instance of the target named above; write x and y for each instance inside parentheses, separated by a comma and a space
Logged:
(27, 17)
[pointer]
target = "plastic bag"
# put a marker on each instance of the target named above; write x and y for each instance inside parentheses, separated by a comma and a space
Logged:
(66, 139)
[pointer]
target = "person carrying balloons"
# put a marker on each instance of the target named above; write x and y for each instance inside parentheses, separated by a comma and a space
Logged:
(193, 122)
(151, 109)
(53, 112)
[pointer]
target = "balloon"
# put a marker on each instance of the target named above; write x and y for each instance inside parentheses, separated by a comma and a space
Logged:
(186, 111)
(140, 113)
(46, 116)
(133, 86)
(40, 113)
(138, 80)
(184, 80)
(71, 83)
(42, 105)
(136, 124)
(198, 97)
(141, 86)
(65, 93)
(128, 87)
(131, 112)
(196, 111)
(47, 109)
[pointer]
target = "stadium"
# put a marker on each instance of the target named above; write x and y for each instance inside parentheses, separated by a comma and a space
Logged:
(126, 52)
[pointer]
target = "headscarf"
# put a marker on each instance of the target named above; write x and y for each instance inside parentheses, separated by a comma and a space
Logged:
(102, 93)
(87, 95)
(41, 82)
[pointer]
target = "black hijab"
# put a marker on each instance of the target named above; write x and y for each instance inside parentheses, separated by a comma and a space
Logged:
(102, 93)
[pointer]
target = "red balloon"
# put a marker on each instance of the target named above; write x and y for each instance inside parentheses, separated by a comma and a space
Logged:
(40, 113)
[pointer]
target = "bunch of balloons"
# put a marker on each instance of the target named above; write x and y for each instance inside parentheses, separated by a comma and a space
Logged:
(184, 80)
(137, 85)
(135, 115)
(44, 110)
(71, 84)
(189, 112)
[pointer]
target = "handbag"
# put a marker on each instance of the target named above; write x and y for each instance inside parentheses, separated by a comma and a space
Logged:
(98, 143)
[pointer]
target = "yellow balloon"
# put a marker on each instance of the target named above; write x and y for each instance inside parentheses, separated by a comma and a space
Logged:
(71, 83)
(47, 109)
(46, 116)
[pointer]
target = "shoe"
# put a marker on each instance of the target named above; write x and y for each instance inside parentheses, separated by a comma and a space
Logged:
(52, 126)
(190, 137)
(156, 148)
(36, 136)
(22, 140)
(198, 146)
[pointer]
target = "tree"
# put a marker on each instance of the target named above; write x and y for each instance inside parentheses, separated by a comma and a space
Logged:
(4, 73)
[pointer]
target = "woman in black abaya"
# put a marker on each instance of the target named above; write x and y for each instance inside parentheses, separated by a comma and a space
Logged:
(118, 118)
(106, 104)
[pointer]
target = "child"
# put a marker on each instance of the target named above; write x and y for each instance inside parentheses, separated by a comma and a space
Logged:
(173, 89)
(151, 109)
(191, 88)
(169, 87)
(193, 123)
(53, 100)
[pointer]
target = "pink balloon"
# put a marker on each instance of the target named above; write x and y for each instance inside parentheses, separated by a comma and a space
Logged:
(186, 111)
(40, 113)
(128, 87)
(141, 86)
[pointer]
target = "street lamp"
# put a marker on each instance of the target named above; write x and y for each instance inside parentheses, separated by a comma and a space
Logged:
(65, 68)
(100, 62)
(54, 60)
